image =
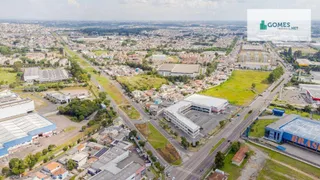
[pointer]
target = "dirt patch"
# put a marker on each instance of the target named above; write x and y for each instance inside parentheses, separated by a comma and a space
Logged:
(170, 154)
(143, 128)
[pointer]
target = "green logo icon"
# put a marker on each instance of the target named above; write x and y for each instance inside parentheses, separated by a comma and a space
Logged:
(263, 26)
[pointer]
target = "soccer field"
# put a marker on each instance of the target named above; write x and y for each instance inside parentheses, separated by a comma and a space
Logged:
(238, 88)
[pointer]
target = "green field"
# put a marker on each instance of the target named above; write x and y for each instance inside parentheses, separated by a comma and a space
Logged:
(7, 76)
(141, 82)
(100, 52)
(298, 112)
(257, 129)
(275, 171)
(130, 111)
(160, 143)
(237, 89)
(234, 171)
(291, 162)
(111, 90)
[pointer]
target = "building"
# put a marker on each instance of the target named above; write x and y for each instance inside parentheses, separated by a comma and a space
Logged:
(240, 155)
(55, 170)
(131, 171)
(191, 70)
(80, 159)
(159, 57)
(19, 124)
(176, 113)
(295, 130)
(306, 63)
(251, 47)
(58, 97)
(218, 175)
(312, 92)
(33, 74)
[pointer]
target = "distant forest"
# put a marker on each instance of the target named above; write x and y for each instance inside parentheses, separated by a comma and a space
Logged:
(119, 31)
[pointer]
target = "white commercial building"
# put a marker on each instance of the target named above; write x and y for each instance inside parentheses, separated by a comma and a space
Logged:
(176, 113)
(191, 70)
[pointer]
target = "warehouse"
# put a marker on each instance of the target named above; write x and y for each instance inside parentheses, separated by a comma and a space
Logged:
(176, 113)
(21, 130)
(18, 123)
(44, 75)
(191, 70)
(296, 130)
(311, 91)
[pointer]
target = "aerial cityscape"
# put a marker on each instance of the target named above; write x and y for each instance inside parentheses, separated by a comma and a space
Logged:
(159, 90)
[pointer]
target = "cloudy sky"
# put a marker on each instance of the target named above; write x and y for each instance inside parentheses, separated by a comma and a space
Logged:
(144, 10)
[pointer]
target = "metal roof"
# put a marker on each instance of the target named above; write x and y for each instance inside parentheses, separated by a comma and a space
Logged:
(206, 100)
(21, 127)
(180, 68)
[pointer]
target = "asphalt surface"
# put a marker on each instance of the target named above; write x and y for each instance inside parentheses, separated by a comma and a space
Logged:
(198, 165)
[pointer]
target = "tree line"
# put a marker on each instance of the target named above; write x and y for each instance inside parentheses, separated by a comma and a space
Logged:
(275, 74)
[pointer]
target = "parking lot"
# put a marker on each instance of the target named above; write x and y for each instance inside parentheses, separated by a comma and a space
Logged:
(208, 122)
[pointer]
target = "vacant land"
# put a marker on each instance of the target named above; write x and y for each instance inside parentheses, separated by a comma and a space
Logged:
(257, 129)
(160, 143)
(298, 112)
(7, 76)
(272, 170)
(291, 162)
(130, 111)
(305, 50)
(111, 90)
(100, 52)
(141, 82)
(238, 88)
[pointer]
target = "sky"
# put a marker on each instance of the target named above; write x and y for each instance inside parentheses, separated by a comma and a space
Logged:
(145, 10)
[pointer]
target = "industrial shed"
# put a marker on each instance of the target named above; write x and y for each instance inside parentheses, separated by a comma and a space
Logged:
(296, 130)
(21, 130)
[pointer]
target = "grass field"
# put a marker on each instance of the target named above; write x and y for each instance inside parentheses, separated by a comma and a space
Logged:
(273, 170)
(100, 52)
(130, 111)
(292, 162)
(111, 90)
(234, 171)
(141, 82)
(237, 89)
(160, 143)
(298, 112)
(7, 76)
(257, 129)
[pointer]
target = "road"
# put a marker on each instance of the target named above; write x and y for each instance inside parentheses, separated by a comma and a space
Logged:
(122, 114)
(200, 162)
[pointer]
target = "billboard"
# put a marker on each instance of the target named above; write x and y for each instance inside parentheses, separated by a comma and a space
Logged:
(279, 25)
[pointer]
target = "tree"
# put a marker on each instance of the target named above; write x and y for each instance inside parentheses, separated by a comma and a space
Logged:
(142, 143)
(102, 96)
(297, 54)
(149, 153)
(65, 148)
(253, 86)
(71, 164)
(17, 166)
(290, 52)
(290, 107)
(235, 146)
(51, 147)
(44, 151)
(219, 160)
(30, 161)
(17, 66)
(133, 133)
(222, 123)
(307, 108)
(5, 171)
(184, 142)
(45, 159)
